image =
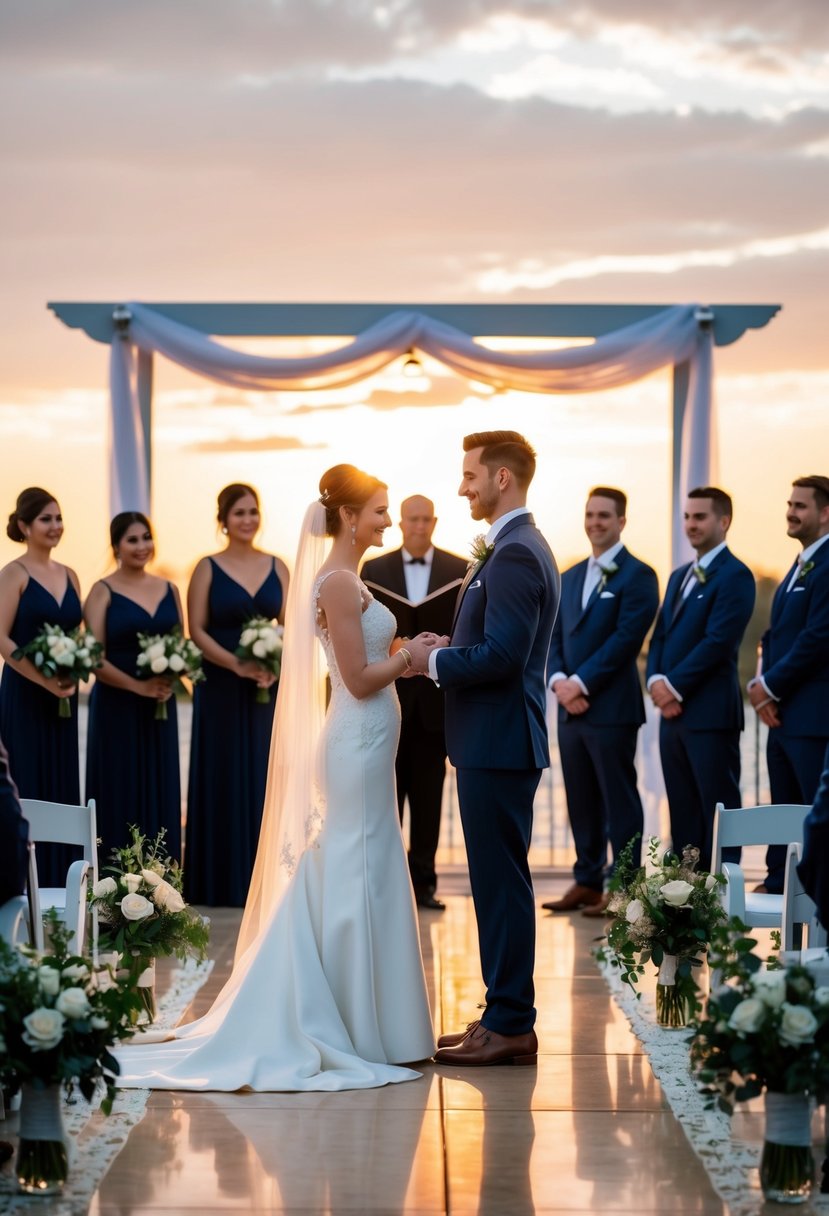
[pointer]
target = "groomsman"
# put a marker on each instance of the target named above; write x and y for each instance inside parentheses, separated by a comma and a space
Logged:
(608, 603)
(792, 694)
(692, 674)
(814, 865)
(14, 836)
(419, 583)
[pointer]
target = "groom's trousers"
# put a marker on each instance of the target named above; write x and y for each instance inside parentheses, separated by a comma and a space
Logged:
(496, 808)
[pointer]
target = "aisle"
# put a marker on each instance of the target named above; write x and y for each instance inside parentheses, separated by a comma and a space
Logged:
(588, 1131)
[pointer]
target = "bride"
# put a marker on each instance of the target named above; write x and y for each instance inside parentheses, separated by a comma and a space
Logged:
(327, 990)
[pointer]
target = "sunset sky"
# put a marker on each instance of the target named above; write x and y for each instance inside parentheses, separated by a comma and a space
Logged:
(413, 151)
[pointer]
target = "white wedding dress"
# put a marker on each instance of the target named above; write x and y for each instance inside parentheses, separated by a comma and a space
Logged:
(331, 995)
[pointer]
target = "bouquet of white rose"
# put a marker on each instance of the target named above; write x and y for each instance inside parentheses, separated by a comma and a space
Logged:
(261, 643)
(664, 913)
(141, 910)
(68, 657)
(59, 1016)
(172, 656)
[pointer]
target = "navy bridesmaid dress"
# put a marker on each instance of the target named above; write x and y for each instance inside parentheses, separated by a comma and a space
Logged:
(132, 759)
(228, 754)
(42, 746)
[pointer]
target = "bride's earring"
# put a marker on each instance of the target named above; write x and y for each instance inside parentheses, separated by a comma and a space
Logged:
(224, 530)
(353, 534)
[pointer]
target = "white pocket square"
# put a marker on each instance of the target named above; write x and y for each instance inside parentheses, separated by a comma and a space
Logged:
(472, 586)
(607, 595)
(699, 597)
(798, 588)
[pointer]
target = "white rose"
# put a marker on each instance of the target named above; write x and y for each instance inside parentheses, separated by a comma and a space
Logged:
(49, 980)
(155, 651)
(260, 650)
(136, 907)
(167, 897)
(75, 971)
(272, 641)
(151, 878)
(710, 882)
(142, 660)
(634, 911)
(73, 1003)
(797, 1026)
(747, 1017)
(104, 886)
(677, 893)
(159, 665)
(770, 987)
(248, 636)
(131, 881)
(44, 1029)
(822, 995)
(176, 662)
(65, 658)
(98, 1023)
(82, 653)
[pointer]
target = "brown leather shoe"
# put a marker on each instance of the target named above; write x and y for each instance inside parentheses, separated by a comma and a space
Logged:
(599, 909)
(452, 1040)
(574, 897)
(482, 1047)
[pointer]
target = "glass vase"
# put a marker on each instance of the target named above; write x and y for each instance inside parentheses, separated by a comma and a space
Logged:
(671, 1003)
(787, 1166)
(146, 991)
(42, 1160)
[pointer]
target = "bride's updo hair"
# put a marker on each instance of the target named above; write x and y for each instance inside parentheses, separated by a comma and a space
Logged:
(27, 508)
(345, 486)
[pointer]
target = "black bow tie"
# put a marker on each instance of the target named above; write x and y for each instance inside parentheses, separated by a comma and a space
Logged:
(415, 561)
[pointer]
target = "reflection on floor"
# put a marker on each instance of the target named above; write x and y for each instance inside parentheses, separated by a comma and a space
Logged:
(587, 1132)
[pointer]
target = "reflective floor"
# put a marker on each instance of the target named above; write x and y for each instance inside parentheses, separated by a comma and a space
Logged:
(588, 1131)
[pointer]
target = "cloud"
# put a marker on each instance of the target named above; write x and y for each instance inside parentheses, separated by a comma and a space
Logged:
(274, 443)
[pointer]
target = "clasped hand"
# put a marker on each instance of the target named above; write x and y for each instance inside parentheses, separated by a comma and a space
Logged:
(764, 705)
(421, 647)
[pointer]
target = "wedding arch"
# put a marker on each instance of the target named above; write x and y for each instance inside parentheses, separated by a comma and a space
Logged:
(630, 341)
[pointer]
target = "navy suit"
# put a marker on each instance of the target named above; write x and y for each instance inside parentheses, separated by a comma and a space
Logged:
(420, 765)
(695, 646)
(600, 643)
(14, 836)
(814, 865)
(796, 670)
(493, 675)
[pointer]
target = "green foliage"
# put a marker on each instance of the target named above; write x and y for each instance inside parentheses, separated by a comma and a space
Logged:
(59, 1015)
(769, 1027)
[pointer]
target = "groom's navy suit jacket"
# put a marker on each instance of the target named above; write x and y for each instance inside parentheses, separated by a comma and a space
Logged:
(814, 867)
(796, 650)
(493, 673)
(601, 642)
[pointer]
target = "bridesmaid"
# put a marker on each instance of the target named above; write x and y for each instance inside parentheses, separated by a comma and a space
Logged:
(132, 761)
(35, 591)
(231, 731)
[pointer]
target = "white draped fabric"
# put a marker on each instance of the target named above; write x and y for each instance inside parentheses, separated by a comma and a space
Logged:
(671, 336)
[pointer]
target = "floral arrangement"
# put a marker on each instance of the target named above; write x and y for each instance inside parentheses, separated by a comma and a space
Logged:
(69, 657)
(805, 568)
(141, 911)
(170, 655)
(769, 1027)
(607, 573)
(59, 1016)
(665, 913)
(480, 549)
(701, 575)
(261, 643)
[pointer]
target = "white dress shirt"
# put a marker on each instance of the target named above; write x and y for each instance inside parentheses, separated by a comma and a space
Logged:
(417, 575)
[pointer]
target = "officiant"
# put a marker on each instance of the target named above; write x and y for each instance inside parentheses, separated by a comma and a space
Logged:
(419, 583)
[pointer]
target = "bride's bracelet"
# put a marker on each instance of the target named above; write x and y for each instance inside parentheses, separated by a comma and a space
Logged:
(407, 658)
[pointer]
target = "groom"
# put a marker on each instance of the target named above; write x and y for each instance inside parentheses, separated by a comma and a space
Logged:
(496, 734)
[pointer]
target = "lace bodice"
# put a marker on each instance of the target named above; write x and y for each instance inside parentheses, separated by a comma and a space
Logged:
(379, 627)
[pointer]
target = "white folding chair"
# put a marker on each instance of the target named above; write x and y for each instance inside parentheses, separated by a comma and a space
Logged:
(60, 823)
(799, 909)
(21, 921)
(780, 823)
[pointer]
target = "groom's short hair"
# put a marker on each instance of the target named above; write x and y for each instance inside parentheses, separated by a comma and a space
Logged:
(504, 449)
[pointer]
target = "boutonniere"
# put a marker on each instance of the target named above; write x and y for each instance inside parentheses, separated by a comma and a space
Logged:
(607, 572)
(480, 550)
(804, 570)
(701, 575)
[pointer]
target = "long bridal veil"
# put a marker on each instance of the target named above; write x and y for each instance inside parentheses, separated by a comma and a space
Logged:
(294, 807)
